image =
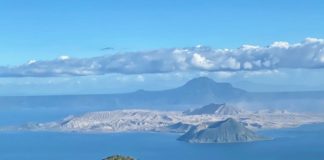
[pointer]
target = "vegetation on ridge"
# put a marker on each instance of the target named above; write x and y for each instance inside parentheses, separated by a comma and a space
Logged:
(119, 157)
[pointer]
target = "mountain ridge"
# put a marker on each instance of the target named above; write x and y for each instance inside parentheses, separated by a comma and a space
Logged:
(194, 93)
(214, 109)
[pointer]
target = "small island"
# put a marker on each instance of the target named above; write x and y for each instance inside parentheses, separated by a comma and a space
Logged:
(227, 131)
(119, 157)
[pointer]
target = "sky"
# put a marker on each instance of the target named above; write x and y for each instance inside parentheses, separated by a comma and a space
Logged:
(106, 46)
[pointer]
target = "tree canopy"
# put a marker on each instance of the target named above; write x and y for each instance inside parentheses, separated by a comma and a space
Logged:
(119, 157)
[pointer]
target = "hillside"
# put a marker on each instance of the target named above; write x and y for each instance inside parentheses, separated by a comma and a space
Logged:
(227, 131)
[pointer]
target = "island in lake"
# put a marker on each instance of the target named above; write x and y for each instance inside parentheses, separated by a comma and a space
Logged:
(227, 131)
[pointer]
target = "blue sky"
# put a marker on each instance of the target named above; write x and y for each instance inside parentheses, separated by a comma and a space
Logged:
(45, 30)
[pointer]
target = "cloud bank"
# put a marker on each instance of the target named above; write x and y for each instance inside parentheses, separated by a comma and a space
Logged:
(308, 54)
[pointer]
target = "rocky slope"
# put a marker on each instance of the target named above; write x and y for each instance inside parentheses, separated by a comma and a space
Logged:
(170, 121)
(217, 109)
(227, 131)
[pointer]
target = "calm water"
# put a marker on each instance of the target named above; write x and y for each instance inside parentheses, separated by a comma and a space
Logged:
(305, 143)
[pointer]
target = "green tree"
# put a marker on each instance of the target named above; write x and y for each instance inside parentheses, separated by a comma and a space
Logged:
(119, 157)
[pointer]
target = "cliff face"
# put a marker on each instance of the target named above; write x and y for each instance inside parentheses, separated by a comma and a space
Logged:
(227, 131)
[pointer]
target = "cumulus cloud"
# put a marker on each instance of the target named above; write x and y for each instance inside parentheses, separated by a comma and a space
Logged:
(201, 61)
(308, 54)
(64, 57)
(247, 65)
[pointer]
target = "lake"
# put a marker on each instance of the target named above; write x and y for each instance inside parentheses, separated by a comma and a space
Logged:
(303, 143)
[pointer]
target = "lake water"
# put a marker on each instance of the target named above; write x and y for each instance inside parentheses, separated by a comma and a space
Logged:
(304, 143)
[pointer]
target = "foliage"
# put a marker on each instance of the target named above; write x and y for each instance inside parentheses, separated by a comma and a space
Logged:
(119, 157)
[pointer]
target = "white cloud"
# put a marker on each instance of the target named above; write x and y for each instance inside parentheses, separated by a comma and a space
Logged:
(31, 62)
(64, 57)
(313, 40)
(247, 65)
(201, 61)
(248, 47)
(280, 44)
(308, 54)
(232, 64)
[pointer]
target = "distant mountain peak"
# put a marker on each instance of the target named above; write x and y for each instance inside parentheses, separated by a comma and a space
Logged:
(201, 79)
(204, 81)
(207, 84)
